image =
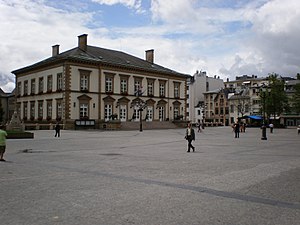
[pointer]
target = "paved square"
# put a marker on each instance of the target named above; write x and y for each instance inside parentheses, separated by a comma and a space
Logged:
(132, 177)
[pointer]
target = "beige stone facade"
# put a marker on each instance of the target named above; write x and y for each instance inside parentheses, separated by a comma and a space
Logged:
(91, 83)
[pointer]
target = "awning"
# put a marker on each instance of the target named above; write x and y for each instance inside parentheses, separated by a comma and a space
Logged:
(254, 117)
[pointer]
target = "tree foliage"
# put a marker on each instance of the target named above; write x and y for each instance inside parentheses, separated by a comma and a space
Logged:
(296, 96)
(276, 99)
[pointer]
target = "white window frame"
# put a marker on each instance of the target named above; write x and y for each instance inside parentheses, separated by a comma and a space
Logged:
(108, 84)
(123, 113)
(59, 81)
(84, 82)
(161, 89)
(107, 111)
(83, 110)
(150, 88)
(123, 85)
(149, 113)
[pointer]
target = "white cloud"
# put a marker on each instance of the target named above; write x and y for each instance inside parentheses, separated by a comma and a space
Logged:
(27, 29)
(134, 4)
(259, 37)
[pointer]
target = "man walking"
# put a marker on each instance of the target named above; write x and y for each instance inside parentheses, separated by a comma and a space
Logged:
(3, 135)
(237, 129)
(190, 136)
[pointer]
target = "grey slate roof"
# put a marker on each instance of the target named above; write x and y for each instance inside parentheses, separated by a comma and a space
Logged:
(99, 55)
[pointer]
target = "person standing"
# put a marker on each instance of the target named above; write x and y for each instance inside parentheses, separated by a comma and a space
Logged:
(3, 136)
(237, 129)
(57, 130)
(190, 136)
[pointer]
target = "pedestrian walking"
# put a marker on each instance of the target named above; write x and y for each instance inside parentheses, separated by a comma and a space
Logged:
(3, 136)
(57, 130)
(199, 126)
(271, 127)
(190, 136)
(236, 128)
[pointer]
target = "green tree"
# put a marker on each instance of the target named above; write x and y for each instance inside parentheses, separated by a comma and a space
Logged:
(296, 97)
(276, 99)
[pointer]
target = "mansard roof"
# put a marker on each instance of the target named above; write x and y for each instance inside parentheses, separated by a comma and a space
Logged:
(102, 56)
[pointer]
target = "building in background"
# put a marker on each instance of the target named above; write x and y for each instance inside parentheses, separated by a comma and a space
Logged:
(216, 111)
(244, 99)
(199, 84)
(290, 118)
(7, 106)
(98, 85)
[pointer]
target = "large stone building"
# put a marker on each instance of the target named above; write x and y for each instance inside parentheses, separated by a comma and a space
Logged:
(88, 85)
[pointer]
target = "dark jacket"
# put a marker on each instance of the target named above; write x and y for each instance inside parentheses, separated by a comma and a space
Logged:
(57, 127)
(192, 134)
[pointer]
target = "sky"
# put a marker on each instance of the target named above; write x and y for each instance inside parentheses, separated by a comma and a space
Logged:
(227, 38)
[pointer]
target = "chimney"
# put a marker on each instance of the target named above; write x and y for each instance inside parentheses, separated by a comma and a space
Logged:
(150, 55)
(55, 50)
(82, 42)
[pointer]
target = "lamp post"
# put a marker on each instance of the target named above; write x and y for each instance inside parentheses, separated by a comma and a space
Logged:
(204, 109)
(140, 105)
(264, 88)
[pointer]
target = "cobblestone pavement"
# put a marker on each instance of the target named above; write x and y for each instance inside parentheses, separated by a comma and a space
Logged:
(132, 177)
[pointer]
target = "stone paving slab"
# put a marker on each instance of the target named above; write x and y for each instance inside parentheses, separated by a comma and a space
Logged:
(132, 177)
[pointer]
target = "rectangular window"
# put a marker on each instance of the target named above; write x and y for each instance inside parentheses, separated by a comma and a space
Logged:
(123, 113)
(40, 109)
(49, 109)
(123, 85)
(161, 113)
(84, 79)
(26, 87)
(137, 88)
(176, 90)
(136, 114)
(150, 88)
(83, 110)
(49, 83)
(107, 112)
(149, 113)
(59, 82)
(176, 112)
(41, 85)
(32, 110)
(108, 84)
(32, 87)
(232, 108)
(84, 82)
(25, 110)
(19, 88)
(59, 109)
(162, 89)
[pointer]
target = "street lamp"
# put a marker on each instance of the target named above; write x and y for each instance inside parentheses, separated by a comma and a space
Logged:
(264, 89)
(140, 105)
(204, 109)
